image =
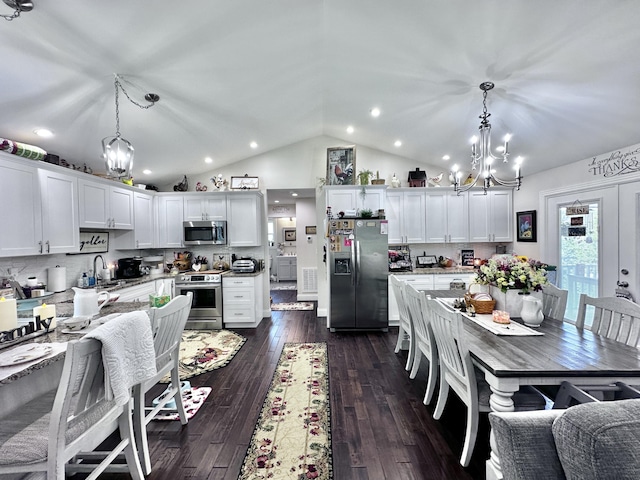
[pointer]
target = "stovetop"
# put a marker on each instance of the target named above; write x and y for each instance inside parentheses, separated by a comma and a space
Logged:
(207, 276)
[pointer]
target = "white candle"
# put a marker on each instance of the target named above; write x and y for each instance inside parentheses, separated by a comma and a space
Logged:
(8, 314)
(46, 311)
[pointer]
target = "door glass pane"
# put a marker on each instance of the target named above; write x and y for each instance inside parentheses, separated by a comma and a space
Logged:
(579, 256)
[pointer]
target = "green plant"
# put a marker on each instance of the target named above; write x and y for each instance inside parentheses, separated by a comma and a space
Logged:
(366, 213)
(363, 176)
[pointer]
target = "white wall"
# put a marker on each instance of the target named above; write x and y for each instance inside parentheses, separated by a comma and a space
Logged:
(306, 245)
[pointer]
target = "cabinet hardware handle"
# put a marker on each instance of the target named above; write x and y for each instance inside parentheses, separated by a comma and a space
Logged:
(48, 247)
(40, 244)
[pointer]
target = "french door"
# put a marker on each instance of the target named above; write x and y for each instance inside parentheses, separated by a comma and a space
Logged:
(629, 255)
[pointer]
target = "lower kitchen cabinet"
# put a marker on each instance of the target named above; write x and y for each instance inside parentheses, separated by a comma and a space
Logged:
(287, 268)
(136, 293)
(242, 301)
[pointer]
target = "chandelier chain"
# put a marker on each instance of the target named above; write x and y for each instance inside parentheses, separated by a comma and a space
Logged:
(118, 86)
(14, 15)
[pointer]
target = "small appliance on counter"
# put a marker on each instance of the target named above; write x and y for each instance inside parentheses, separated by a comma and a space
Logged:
(245, 265)
(400, 258)
(129, 268)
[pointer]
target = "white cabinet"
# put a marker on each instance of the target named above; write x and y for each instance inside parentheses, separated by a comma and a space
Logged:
(105, 206)
(343, 198)
(39, 214)
(287, 268)
(407, 215)
(491, 216)
(142, 235)
(137, 293)
(203, 206)
(242, 301)
(443, 281)
(244, 224)
(169, 221)
(447, 217)
(420, 282)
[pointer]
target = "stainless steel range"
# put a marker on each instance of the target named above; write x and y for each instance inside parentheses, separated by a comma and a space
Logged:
(206, 307)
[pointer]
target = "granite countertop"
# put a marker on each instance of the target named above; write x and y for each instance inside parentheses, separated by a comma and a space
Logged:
(436, 271)
(229, 273)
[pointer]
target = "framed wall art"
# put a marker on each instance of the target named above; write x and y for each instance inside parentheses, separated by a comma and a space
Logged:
(310, 230)
(244, 183)
(526, 224)
(341, 165)
(94, 242)
(289, 235)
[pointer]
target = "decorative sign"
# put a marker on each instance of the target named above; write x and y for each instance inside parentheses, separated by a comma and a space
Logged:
(620, 162)
(577, 231)
(578, 210)
(577, 221)
(467, 257)
(244, 183)
(94, 242)
(310, 230)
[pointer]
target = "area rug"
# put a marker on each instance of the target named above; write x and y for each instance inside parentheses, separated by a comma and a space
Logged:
(192, 398)
(278, 286)
(292, 306)
(205, 350)
(292, 440)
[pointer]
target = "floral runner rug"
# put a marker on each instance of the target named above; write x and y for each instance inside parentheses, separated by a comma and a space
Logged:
(205, 350)
(292, 440)
(292, 306)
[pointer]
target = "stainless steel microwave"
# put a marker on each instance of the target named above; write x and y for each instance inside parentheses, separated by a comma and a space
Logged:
(205, 233)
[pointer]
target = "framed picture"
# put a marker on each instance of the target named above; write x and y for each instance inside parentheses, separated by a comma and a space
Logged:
(289, 234)
(526, 223)
(94, 242)
(341, 165)
(310, 230)
(244, 183)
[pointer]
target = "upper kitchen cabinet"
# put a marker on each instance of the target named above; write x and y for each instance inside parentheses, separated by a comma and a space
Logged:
(354, 198)
(205, 206)
(447, 216)
(105, 206)
(170, 208)
(40, 212)
(406, 213)
(143, 234)
(244, 223)
(491, 216)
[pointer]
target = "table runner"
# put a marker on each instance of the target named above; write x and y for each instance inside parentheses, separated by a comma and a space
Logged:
(486, 322)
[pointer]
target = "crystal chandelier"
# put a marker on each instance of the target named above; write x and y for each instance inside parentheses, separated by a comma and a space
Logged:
(482, 158)
(117, 151)
(18, 6)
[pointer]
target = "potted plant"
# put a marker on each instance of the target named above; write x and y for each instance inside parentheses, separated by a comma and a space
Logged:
(366, 213)
(363, 176)
(377, 180)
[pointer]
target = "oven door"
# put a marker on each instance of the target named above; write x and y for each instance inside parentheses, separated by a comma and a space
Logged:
(207, 300)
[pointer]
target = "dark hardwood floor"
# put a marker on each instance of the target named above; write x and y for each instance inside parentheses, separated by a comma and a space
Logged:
(380, 428)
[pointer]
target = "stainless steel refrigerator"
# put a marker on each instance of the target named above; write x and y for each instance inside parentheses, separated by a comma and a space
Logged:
(358, 271)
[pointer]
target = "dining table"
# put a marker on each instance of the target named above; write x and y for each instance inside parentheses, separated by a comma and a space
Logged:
(557, 351)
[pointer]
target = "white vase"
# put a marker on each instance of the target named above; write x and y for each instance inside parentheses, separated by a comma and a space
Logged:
(510, 301)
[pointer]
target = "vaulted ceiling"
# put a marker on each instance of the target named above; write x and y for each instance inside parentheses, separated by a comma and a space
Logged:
(567, 77)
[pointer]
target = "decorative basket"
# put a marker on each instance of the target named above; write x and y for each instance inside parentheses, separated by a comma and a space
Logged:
(377, 181)
(483, 307)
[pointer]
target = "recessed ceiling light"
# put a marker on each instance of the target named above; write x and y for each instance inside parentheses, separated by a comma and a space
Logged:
(375, 112)
(43, 132)
(276, 201)
(397, 143)
(294, 194)
(208, 160)
(147, 171)
(253, 145)
(349, 129)
(446, 157)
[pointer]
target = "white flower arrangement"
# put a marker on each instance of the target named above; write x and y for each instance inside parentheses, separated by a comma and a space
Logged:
(513, 273)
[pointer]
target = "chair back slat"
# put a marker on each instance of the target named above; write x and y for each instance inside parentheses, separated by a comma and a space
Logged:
(167, 324)
(403, 310)
(613, 317)
(416, 301)
(452, 349)
(554, 301)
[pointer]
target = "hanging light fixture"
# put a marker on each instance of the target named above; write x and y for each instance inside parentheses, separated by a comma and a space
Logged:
(482, 157)
(117, 151)
(18, 6)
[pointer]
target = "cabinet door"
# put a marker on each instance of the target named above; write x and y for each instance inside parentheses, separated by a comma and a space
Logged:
(393, 213)
(244, 225)
(193, 209)
(60, 230)
(414, 216)
(342, 199)
(373, 199)
(121, 208)
(169, 221)
(143, 216)
(93, 205)
(479, 217)
(436, 230)
(20, 215)
(457, 217)
(215, 207)
(502, 215)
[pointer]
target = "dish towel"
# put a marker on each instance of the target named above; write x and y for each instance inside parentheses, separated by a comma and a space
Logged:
(127, 353)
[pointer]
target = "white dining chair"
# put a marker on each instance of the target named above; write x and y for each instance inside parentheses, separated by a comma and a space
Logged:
(554, 301)
(613, 317)
(406, 326)
(425, 344)
(458, 373)
(48, 432)
(167, 325)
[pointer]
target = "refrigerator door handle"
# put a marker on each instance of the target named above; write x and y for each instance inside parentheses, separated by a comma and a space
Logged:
(354, 267)
(357, 263)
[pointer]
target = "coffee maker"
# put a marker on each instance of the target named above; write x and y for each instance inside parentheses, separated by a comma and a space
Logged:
(129, 268)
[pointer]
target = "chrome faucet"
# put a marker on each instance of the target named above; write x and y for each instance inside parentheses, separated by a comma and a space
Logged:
(95, 271)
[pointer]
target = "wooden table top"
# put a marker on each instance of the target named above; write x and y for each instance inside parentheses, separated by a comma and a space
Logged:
(563, 351)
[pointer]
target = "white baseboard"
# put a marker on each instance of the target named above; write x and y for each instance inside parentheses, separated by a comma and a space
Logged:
(307, 297)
